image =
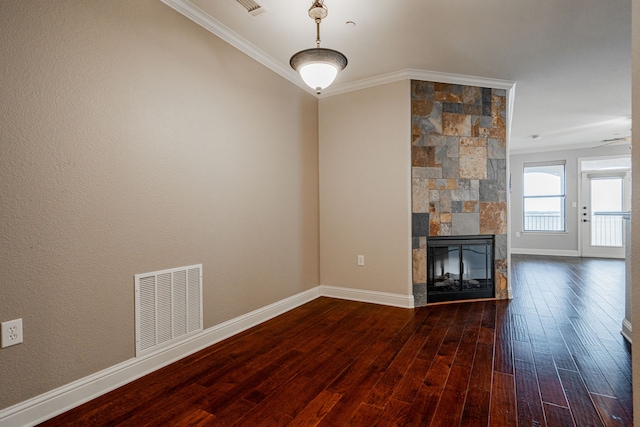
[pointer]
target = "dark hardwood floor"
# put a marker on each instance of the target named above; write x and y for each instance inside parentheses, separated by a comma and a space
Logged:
(553, 356)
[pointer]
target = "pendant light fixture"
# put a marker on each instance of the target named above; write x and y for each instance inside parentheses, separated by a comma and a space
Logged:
(318, 67)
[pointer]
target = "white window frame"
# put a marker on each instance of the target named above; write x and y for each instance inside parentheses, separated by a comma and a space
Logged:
(562, 196)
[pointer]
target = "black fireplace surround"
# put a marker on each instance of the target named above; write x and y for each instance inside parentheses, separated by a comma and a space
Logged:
(460, 268)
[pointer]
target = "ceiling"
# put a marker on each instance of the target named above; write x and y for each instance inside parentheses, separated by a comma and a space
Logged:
(570, 59)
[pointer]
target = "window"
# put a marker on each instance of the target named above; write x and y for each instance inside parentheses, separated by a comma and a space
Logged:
(605, 163)
(544, 196)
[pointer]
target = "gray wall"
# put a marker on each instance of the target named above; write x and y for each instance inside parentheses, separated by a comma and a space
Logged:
(551, 243)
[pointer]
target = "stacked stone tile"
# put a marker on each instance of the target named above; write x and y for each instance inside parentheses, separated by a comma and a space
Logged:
(459, 171)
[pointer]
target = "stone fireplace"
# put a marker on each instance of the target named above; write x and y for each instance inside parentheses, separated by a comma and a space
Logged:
(459, 172)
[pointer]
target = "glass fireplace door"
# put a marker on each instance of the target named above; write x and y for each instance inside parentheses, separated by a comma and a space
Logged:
(459, 268)
(476, 266)
(445, 268)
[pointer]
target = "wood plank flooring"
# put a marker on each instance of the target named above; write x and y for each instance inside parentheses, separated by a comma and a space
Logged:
(552, 356)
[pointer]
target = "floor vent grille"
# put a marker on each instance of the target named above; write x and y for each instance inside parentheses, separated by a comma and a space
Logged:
(168, 307)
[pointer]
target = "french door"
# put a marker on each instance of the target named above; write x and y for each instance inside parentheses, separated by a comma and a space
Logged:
(605, 200)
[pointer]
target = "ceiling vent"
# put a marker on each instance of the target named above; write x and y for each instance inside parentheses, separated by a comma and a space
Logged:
(252, 7)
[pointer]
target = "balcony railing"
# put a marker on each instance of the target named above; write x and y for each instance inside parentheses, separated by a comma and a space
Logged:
(543, 222)
(607, 229)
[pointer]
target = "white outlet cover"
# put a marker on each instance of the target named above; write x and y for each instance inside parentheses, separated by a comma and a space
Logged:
(11, 332)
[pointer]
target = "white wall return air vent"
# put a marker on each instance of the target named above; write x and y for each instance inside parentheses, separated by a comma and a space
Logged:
(168, 307)
(252, 7)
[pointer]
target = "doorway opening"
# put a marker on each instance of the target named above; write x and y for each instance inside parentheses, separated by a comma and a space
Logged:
(605, 199)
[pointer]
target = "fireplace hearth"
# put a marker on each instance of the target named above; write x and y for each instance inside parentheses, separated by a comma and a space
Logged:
(460, 268)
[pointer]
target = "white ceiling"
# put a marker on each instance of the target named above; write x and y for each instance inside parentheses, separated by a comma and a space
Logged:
(570, 59)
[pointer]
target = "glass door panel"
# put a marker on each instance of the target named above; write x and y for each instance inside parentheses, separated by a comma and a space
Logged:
(607, 200)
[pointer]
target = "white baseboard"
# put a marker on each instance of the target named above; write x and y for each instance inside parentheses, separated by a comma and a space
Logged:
(626, 330)
(550, 252)
(382, 298)
(55, 402)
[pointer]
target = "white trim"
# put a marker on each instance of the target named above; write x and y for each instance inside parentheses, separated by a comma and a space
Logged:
(413, 74)
(584, 178)
(626, 330)
(54, 402)
(511, 95)
(460, 79)
(608, 157)
(543, 233)
(382, 298)
(395, 76)
(550, 252)
(200, 17)
(209, 23)
(544, 163)
(535, 148)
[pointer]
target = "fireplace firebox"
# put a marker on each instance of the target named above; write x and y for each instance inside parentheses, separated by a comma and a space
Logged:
(460, 268)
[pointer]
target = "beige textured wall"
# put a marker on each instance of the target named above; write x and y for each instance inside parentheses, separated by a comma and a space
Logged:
(132, 141)
(365, 189)
(635, 208)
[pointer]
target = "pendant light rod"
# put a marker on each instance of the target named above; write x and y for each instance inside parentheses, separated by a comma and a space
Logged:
(318, 11)
(318, 67)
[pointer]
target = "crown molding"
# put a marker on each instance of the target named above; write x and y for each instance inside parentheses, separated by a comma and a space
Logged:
(413, 74)
(200, 17)
(209, 23)
(460, 79)
(364, 83)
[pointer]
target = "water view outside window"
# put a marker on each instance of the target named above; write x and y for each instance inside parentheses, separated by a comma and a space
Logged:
(544, 197)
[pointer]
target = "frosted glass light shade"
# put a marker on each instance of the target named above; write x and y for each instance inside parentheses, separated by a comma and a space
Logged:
(318, 75)
(318, 67)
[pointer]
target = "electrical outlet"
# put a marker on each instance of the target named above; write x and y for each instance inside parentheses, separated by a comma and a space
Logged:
(11, 332)
(360, 259)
